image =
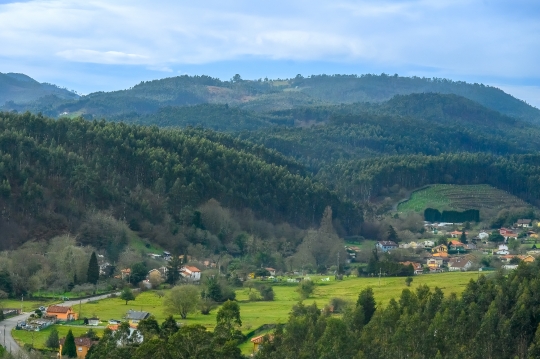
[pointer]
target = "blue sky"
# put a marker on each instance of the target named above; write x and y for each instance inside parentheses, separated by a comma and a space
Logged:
(107, 45)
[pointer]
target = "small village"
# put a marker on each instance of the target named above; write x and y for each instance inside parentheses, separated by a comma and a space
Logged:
(464, 250)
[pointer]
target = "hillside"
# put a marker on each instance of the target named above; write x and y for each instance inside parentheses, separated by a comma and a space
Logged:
(367, 178)
(54, 174)
(271, 95)
(213, 116)
(461, 198)
(429, 124)
(22, 89)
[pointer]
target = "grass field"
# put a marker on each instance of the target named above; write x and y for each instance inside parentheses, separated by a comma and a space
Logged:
(456, 197)
(28, 305)
(255, 314)
(38, 338)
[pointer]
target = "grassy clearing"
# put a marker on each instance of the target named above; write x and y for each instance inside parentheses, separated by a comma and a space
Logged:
(141, 245)
(28, 305)
(255, 314)
(38, 338)
(456, 197)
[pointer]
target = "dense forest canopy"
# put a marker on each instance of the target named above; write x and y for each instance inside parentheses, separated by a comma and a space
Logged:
(53, 173)
(286, 150)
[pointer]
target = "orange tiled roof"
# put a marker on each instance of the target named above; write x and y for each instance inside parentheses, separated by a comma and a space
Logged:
(259, 339)
(58, 309)
(82, 342)
(440, 254)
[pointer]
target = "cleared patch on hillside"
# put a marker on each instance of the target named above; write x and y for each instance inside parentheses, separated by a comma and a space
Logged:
(456, 197)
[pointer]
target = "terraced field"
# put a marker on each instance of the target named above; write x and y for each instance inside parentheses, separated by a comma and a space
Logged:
(456, 197)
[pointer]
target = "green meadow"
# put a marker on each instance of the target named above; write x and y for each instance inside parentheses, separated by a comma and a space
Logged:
(28, 305)
(459, 197)
(255, 314)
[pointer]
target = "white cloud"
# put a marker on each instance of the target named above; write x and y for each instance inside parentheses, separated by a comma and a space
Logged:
(455, 38)
(160, 68)
(102, 57)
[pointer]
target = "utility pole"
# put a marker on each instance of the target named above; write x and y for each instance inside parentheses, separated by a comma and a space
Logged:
(22, 302)
(380, 277)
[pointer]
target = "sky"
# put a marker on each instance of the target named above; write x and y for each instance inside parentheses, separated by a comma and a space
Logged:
(109, 45)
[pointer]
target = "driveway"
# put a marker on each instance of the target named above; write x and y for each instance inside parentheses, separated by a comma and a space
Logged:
(7, 325)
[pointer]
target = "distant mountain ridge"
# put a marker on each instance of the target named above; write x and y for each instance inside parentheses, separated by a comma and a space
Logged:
(270, 95)
(21, 89)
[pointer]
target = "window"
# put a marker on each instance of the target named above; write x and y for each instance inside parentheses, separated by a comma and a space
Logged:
(80, 349)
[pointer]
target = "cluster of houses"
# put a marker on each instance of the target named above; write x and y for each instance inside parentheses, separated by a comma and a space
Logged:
(55, 313)
(190, 274)
(457, 256)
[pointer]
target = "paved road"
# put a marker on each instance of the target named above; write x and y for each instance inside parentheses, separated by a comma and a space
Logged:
(7, 325)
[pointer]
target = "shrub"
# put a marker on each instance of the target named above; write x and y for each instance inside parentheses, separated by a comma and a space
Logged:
(267, 293)
(305, 288)
(206, 306)
(338, 305)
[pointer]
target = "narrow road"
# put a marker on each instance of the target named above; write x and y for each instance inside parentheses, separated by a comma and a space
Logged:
(7, 325)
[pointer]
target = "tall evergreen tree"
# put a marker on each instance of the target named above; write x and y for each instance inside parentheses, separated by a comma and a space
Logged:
(69, 349)
(92, 276)
(52, 339)
(392, 235)
(173, 270)
(168, 327)
(366, 299)
(463, 238)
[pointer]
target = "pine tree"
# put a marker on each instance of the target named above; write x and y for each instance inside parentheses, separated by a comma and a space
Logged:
(168, 327)
(366, 299)
(69, 349)
(93, 269)
(173, 269)
(52, 339)
(463, 238)
(392, 235)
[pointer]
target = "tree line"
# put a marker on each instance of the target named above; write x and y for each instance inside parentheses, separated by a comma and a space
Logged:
(434, 215)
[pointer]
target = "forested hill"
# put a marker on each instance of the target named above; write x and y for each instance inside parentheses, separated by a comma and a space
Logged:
(270, 95)
(54, 173)
(428, 124)
(23, 89)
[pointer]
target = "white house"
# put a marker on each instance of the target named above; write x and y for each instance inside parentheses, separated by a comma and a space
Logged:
(503, 249)
(524, 223)
(510, 266)
(272, 271)
(191, 273)
(483, 235)
(93, 321)
(386, 246)
(429, 244)
(459, 264)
